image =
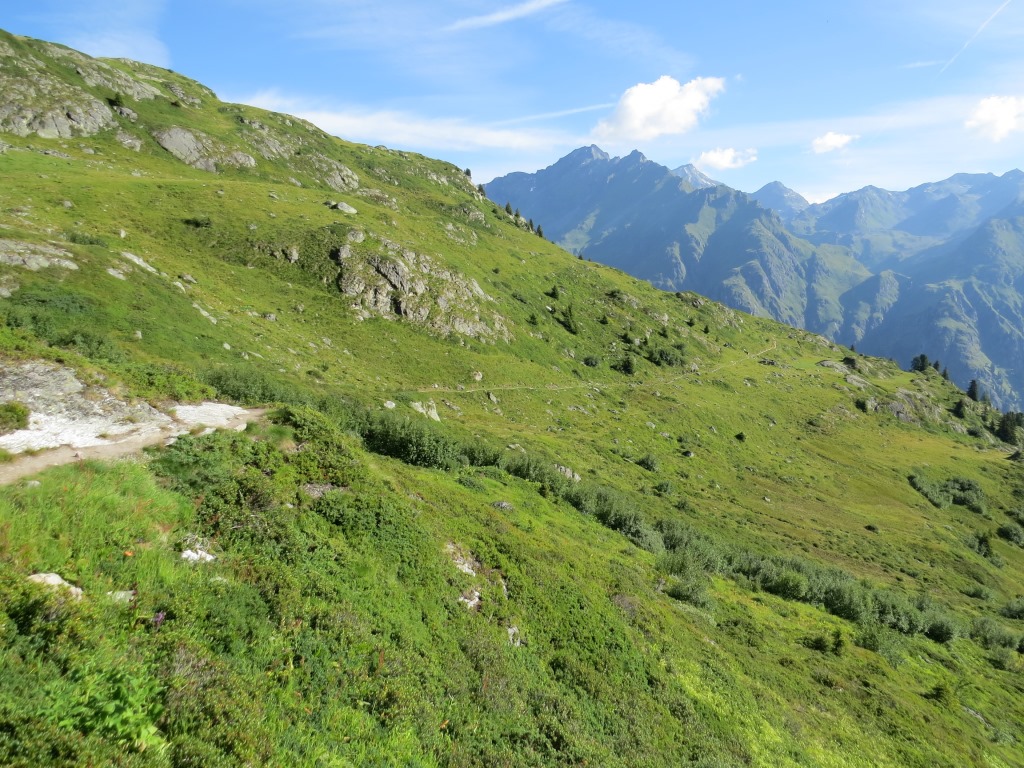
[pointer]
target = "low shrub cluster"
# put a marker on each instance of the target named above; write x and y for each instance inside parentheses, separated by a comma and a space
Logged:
(961, 491)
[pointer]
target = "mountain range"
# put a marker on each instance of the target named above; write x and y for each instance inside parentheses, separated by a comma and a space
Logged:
(936, 269)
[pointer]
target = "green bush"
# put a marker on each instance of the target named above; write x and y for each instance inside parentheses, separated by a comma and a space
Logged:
(649, 462)
(84, 238)
(989, 633)
(251, 386)
(1012, 533)
(13, 416)
(1014, 609)
(941, 628)
(979, 592)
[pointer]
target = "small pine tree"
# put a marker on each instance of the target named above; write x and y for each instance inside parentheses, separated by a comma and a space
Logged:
(469, 173)
(920, 363)
(480, 189)
(518, 214)
(540, 231)
(974, 390)
(945, 373)
(508, 208)
(935, 365)
(530, 224)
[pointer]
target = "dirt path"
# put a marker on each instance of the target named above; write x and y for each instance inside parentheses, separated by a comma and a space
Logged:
(29, 464)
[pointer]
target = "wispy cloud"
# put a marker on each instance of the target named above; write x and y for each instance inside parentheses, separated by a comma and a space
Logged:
(996, 117)
(831, 142)
(512, 13)
(409, 130)
(726, 159)
(974, 37)
(617, 37)
(554, 115)
(664, 107)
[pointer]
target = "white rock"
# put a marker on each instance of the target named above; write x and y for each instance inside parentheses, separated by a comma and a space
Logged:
(55, 581)
(197, 556)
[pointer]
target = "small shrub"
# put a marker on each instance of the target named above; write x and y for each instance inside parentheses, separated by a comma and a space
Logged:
(649, 462)
(591, 361)
(941, 628)
(979, 592)
(989, 633)
(941, 693)
(198, 222)
(472, 483)
(1003, 659)
(1012, 533)
(626, 365)
(84, 238)
(1014, 609)
(13, 416)
(692, 588)
(819, 643)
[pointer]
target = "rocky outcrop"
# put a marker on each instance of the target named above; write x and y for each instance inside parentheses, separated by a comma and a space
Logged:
(34, 256)
(334, 174)
(395, 282)
(35, 101)
(199, 150)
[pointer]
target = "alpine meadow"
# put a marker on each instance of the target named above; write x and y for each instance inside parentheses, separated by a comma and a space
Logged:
(482, 503)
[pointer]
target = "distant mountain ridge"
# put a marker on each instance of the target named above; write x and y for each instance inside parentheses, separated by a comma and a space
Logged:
(937, 268)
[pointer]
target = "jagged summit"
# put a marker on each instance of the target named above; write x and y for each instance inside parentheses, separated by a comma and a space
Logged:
(694, 176)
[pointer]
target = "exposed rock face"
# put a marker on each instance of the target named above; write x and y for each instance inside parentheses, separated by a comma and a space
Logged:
(397, 282)
(185, 146)
(200, 151)
(335, 175)
(66, 412)
(34, 101)
(34, 256)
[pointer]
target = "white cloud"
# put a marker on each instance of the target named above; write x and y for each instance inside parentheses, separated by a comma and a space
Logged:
(831, 141)
(998, 116)
(409, 130)
(726, 159)
(664, 107)
(500, 17)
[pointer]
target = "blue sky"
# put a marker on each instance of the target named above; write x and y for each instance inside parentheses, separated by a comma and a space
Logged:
(825, 97)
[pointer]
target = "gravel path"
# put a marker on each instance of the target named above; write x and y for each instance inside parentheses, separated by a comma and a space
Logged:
(70, 421)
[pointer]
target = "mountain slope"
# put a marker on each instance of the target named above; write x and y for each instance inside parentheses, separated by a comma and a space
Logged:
(510, 507)
(635, 215)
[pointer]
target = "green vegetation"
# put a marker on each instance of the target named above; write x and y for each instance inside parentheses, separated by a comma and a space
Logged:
(644, 529)
(13, 416)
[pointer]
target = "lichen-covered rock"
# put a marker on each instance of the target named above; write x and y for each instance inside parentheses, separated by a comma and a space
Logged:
(187, 147)
(335, 175)
(199, 150)
(34, 256)
(35, 101)
(395, 282)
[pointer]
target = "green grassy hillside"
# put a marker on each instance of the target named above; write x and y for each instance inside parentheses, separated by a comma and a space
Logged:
(644, 529)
